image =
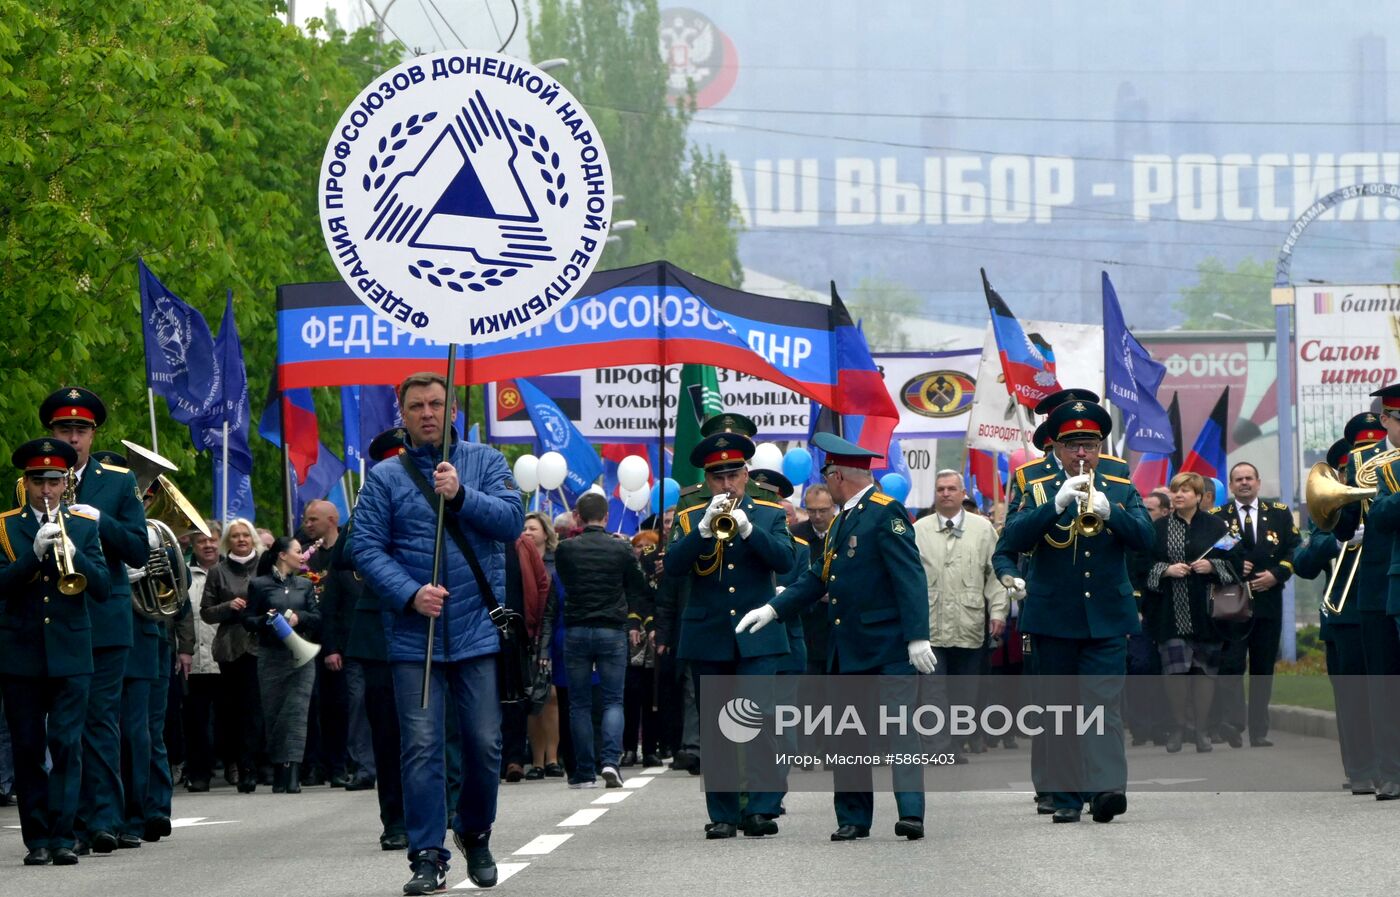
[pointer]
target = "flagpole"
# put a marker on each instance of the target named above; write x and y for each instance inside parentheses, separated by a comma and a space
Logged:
(286, 463)
(441, 514)
(151, 402)
(223, 505)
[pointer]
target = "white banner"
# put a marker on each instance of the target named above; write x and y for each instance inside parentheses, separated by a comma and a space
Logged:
(995, 424)
(921, 457)
(933, 391)
(1348, 345)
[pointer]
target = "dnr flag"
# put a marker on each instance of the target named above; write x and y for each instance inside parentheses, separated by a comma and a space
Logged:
(1027, 361)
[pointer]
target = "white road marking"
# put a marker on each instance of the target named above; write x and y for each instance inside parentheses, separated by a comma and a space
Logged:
(191, 821)
(652, 770)
(583, 817)
(613, 797)
(637, 782)
(543, 844)
(503, 871)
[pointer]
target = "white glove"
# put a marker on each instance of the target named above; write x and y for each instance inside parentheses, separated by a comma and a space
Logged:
(135, 575)
(742, 524)
(152, 538)
(1070, 492)
(756, 619)
(716, 503)
(922, 657)
(44, 539)
(1101, 506)
(1356, 537)
(1015, 587)
(88, 510)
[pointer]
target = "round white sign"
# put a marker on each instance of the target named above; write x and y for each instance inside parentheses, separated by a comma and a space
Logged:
(465, 196)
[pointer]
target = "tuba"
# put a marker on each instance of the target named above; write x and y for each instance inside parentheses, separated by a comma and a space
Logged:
(1326, 494)
(169, 515)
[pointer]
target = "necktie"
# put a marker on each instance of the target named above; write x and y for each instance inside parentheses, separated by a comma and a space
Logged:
(1248, 526)
(947, 526)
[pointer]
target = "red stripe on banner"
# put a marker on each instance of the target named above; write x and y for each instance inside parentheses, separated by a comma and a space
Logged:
(1194, 463)
(1149, 475)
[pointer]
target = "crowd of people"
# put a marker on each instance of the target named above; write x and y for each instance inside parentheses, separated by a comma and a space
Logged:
(298, 660)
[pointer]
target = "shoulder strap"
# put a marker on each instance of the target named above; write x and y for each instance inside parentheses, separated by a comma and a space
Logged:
(493, 607)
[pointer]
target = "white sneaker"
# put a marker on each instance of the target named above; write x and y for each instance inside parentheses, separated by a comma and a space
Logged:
(591, 783)
(612, 776)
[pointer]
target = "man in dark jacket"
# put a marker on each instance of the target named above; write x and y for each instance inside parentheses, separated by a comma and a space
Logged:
(604, 583)
(393, 547)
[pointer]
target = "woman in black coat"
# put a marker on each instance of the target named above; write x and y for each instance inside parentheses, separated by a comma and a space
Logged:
(284, 683)
(1194, 552)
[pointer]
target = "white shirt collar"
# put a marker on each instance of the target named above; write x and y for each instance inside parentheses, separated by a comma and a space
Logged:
(956, 521)
(856, 499)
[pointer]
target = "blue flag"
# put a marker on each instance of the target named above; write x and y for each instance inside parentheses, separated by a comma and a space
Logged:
(230, 401)
(180, 357)
(323, 480)
(240, 492)
(366, 411)
(1133, 375)
(554, 432)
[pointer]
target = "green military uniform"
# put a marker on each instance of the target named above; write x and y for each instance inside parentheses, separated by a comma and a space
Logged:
(111, 489)
(727, 580)
(879, 604)
(46, 664)
(1377, 574)
(1079, 607)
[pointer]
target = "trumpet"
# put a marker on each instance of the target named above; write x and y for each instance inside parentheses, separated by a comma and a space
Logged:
(722, 524)
(70, 581)
(1087, 522)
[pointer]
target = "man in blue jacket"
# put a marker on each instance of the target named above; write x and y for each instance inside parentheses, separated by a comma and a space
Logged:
(395, 528)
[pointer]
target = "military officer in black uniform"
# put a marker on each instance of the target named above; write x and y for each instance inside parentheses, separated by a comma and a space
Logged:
(1321, 554)
(45, 648)
(879, 621)
(108, 493)
(1380, 526)
(1270, 537)
(1079, 632)
(730, 572)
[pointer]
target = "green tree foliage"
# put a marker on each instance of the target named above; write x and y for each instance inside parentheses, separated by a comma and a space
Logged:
(679, 195)
(1243, 294)
(188, 133)
(882, 307)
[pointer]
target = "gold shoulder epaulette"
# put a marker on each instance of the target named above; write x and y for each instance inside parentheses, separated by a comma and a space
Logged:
(767, 504)
(11, 513)
(1113, 479)
(800, 541)
(1112, 458)
(114, 467)
(881, 498)
(73, 513)
(691, 490)
(694, 508)
(1218, 510)
(1021, 467)
(1040, 480)
(1280, 505)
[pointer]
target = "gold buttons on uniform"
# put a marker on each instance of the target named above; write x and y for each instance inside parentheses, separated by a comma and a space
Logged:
(1086, 554)
(46, 599)
(838, 621)
(1086, 574)
(731, 590)
(731, 566)
(46, 579)
(833, 578)
(833, 600)
(46, 621)
(733, 613)
(1087, 595)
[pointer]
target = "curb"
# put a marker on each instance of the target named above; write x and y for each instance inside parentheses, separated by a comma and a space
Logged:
(1303, 721)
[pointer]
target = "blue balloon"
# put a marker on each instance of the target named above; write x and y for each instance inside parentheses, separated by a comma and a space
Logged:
(671, 493)
(797, 465)
(1220, 494)
(895, 486)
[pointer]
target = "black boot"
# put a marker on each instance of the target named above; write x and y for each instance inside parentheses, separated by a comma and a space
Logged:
(247, 780)
(293, 775)
(279, 778)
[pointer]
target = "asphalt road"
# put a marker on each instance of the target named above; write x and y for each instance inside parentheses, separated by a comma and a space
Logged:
(1213, 831)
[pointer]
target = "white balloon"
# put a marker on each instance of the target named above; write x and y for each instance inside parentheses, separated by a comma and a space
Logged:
(595, 488)
(633, 472)
(767, 456)
(527, 473)
(552, 470)
(635, 500)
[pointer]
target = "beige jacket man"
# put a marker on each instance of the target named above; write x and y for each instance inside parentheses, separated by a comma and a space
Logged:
(963, 592)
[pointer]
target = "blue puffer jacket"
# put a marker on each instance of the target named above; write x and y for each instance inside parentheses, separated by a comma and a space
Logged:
(393, 549)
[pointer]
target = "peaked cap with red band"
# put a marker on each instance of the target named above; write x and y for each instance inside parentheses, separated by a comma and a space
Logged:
(72, 404)
(722, 452)
(1365, 428)
(49, 458)
(388, 444)
(1079, 420)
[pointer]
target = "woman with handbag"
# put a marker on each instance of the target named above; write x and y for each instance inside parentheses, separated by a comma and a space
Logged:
(284, 686)
(543, 724)
(1194, 555)
(235, 650)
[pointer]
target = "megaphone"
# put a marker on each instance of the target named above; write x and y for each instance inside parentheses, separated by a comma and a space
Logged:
(302, 650)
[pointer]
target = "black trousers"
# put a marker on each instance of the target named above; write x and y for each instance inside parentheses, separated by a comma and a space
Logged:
(384, 740)
(330, 710)
(1380, 646)
(513, 728)
(197, 710)
(47, 792)
(242, 707)
(639, 721)
(1346, 667)
(1253, 647)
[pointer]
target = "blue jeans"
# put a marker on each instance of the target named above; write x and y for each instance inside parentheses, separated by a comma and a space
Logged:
(471, 687)
(585, 646)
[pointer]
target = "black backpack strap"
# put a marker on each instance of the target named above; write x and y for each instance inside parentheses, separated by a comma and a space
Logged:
(493, 607)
